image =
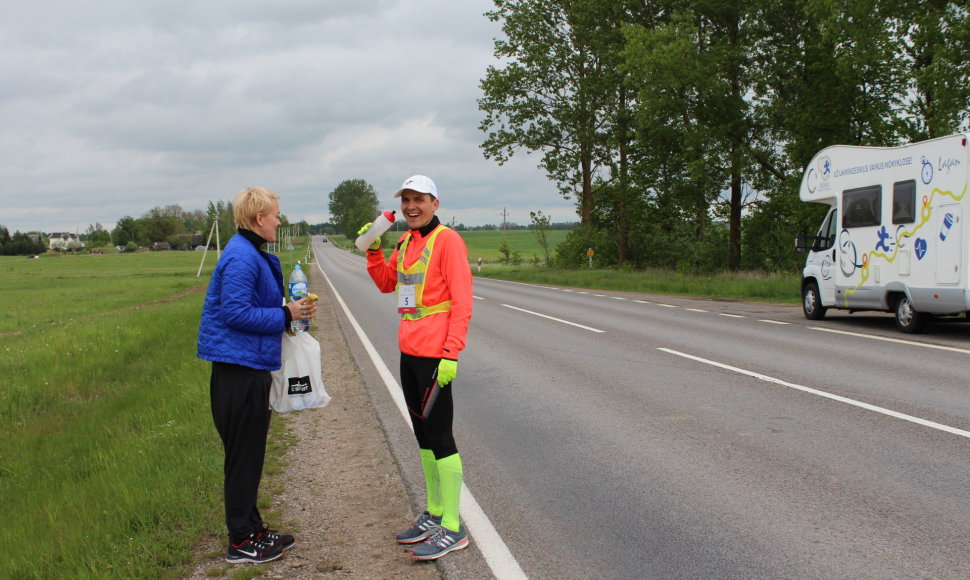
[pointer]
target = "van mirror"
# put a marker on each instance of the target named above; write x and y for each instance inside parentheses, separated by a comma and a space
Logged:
(801, 242)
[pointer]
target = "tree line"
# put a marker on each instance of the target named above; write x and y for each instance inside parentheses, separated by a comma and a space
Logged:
(681, 127)
(20, 243)
(352, 203)
(179, 228)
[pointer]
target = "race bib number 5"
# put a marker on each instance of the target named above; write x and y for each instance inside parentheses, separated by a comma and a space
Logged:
(406, 299)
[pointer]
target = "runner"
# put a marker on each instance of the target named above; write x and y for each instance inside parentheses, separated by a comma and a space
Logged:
(430, 272)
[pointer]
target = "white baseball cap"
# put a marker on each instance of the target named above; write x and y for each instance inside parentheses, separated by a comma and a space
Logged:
(420, 184)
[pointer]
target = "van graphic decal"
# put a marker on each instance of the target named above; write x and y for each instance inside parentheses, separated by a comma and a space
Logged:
(926, 174)
(847, 245)
(920, 248)
(947, 224)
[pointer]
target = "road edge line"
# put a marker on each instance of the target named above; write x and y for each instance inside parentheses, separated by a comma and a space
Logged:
(496, 554)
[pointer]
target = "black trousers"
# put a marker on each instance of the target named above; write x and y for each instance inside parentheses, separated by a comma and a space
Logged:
(435, 432)
(240, 409)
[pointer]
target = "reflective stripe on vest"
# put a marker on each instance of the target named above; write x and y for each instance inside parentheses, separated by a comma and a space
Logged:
(415, 276)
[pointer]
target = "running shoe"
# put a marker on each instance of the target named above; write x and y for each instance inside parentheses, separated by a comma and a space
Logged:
(284, 541)
(442, 542)
(423, 527)
(253, 549)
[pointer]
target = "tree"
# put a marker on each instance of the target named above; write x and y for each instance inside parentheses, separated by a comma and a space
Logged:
(158, 225)
(700, 141)
(540, 224)
(227, 224)
(126, 230)
(933, 39)
(551, 95)
(825, 73)
(97, 236)
(352, 204)
(20, 244)
(4, 239)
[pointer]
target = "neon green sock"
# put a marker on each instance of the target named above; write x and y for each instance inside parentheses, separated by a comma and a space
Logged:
(450, 475)
(432, 482)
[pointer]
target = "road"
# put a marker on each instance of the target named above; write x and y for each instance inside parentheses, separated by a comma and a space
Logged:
(619, 435)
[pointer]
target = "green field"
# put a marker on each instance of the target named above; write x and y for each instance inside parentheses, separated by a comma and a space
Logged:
(109, 464)
(485, 244)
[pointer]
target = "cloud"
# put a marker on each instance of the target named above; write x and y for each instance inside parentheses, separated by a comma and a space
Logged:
(112, 108)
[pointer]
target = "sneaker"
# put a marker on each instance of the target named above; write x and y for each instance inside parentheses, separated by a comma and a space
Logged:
(423, 527)
(284, 541)
(442, 542)
(253, 549)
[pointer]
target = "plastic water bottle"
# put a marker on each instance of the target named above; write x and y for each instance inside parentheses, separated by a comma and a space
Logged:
(298, 290)
(381, 225)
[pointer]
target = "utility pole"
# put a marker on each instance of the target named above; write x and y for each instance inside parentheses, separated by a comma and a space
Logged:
(213, 230)
(505, 217)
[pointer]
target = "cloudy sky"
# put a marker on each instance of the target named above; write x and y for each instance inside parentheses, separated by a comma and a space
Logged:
(109, 108)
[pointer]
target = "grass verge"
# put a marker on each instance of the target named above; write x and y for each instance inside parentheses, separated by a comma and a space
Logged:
(781, 288)
(109, 463)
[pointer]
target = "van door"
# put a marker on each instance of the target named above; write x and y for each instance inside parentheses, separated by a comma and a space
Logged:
(949, 245)
(821, 260)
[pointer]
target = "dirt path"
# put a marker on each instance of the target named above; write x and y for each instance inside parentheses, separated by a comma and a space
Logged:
(341, 494)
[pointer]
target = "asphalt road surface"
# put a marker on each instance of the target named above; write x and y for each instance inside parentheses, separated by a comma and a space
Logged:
(620, 435)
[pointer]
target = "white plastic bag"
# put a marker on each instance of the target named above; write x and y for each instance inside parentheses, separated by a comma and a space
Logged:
(299, 384)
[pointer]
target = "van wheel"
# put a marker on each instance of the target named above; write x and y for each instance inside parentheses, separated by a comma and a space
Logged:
(907, 318)
(812, 302)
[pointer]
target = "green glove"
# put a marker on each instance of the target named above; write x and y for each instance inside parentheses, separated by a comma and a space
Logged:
(377, 243)
(447, 371)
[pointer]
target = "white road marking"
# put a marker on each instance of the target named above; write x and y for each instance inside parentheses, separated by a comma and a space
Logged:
(551, 318)
(896, 340)
(731, 315)
(643, 302)
(665, 305)
(695, 309)
(838, 398)
(497, 555)
(524, 284)
(773, 321)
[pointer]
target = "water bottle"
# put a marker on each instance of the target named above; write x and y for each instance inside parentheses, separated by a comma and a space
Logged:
(298, 290)
(381, 225)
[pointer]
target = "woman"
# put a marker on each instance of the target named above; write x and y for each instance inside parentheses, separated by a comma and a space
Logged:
(243, 320)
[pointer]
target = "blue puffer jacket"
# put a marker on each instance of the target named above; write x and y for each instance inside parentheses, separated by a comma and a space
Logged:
(242, 319)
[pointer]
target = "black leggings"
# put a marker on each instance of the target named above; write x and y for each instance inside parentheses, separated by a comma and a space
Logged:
(434, 433)
(240, 410)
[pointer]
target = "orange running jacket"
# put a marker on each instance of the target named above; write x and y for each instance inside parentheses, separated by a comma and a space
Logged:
(449, 277)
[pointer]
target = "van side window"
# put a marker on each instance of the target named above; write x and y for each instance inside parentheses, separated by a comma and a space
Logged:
(904, 202)
(862, 207)
(826, 234)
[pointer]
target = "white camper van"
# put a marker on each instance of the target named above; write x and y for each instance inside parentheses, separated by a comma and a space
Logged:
(893, 237)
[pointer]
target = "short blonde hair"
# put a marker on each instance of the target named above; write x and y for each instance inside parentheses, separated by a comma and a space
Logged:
(249, 203)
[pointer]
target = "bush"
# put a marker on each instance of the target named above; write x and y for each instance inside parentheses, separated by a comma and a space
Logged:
(571, 253)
